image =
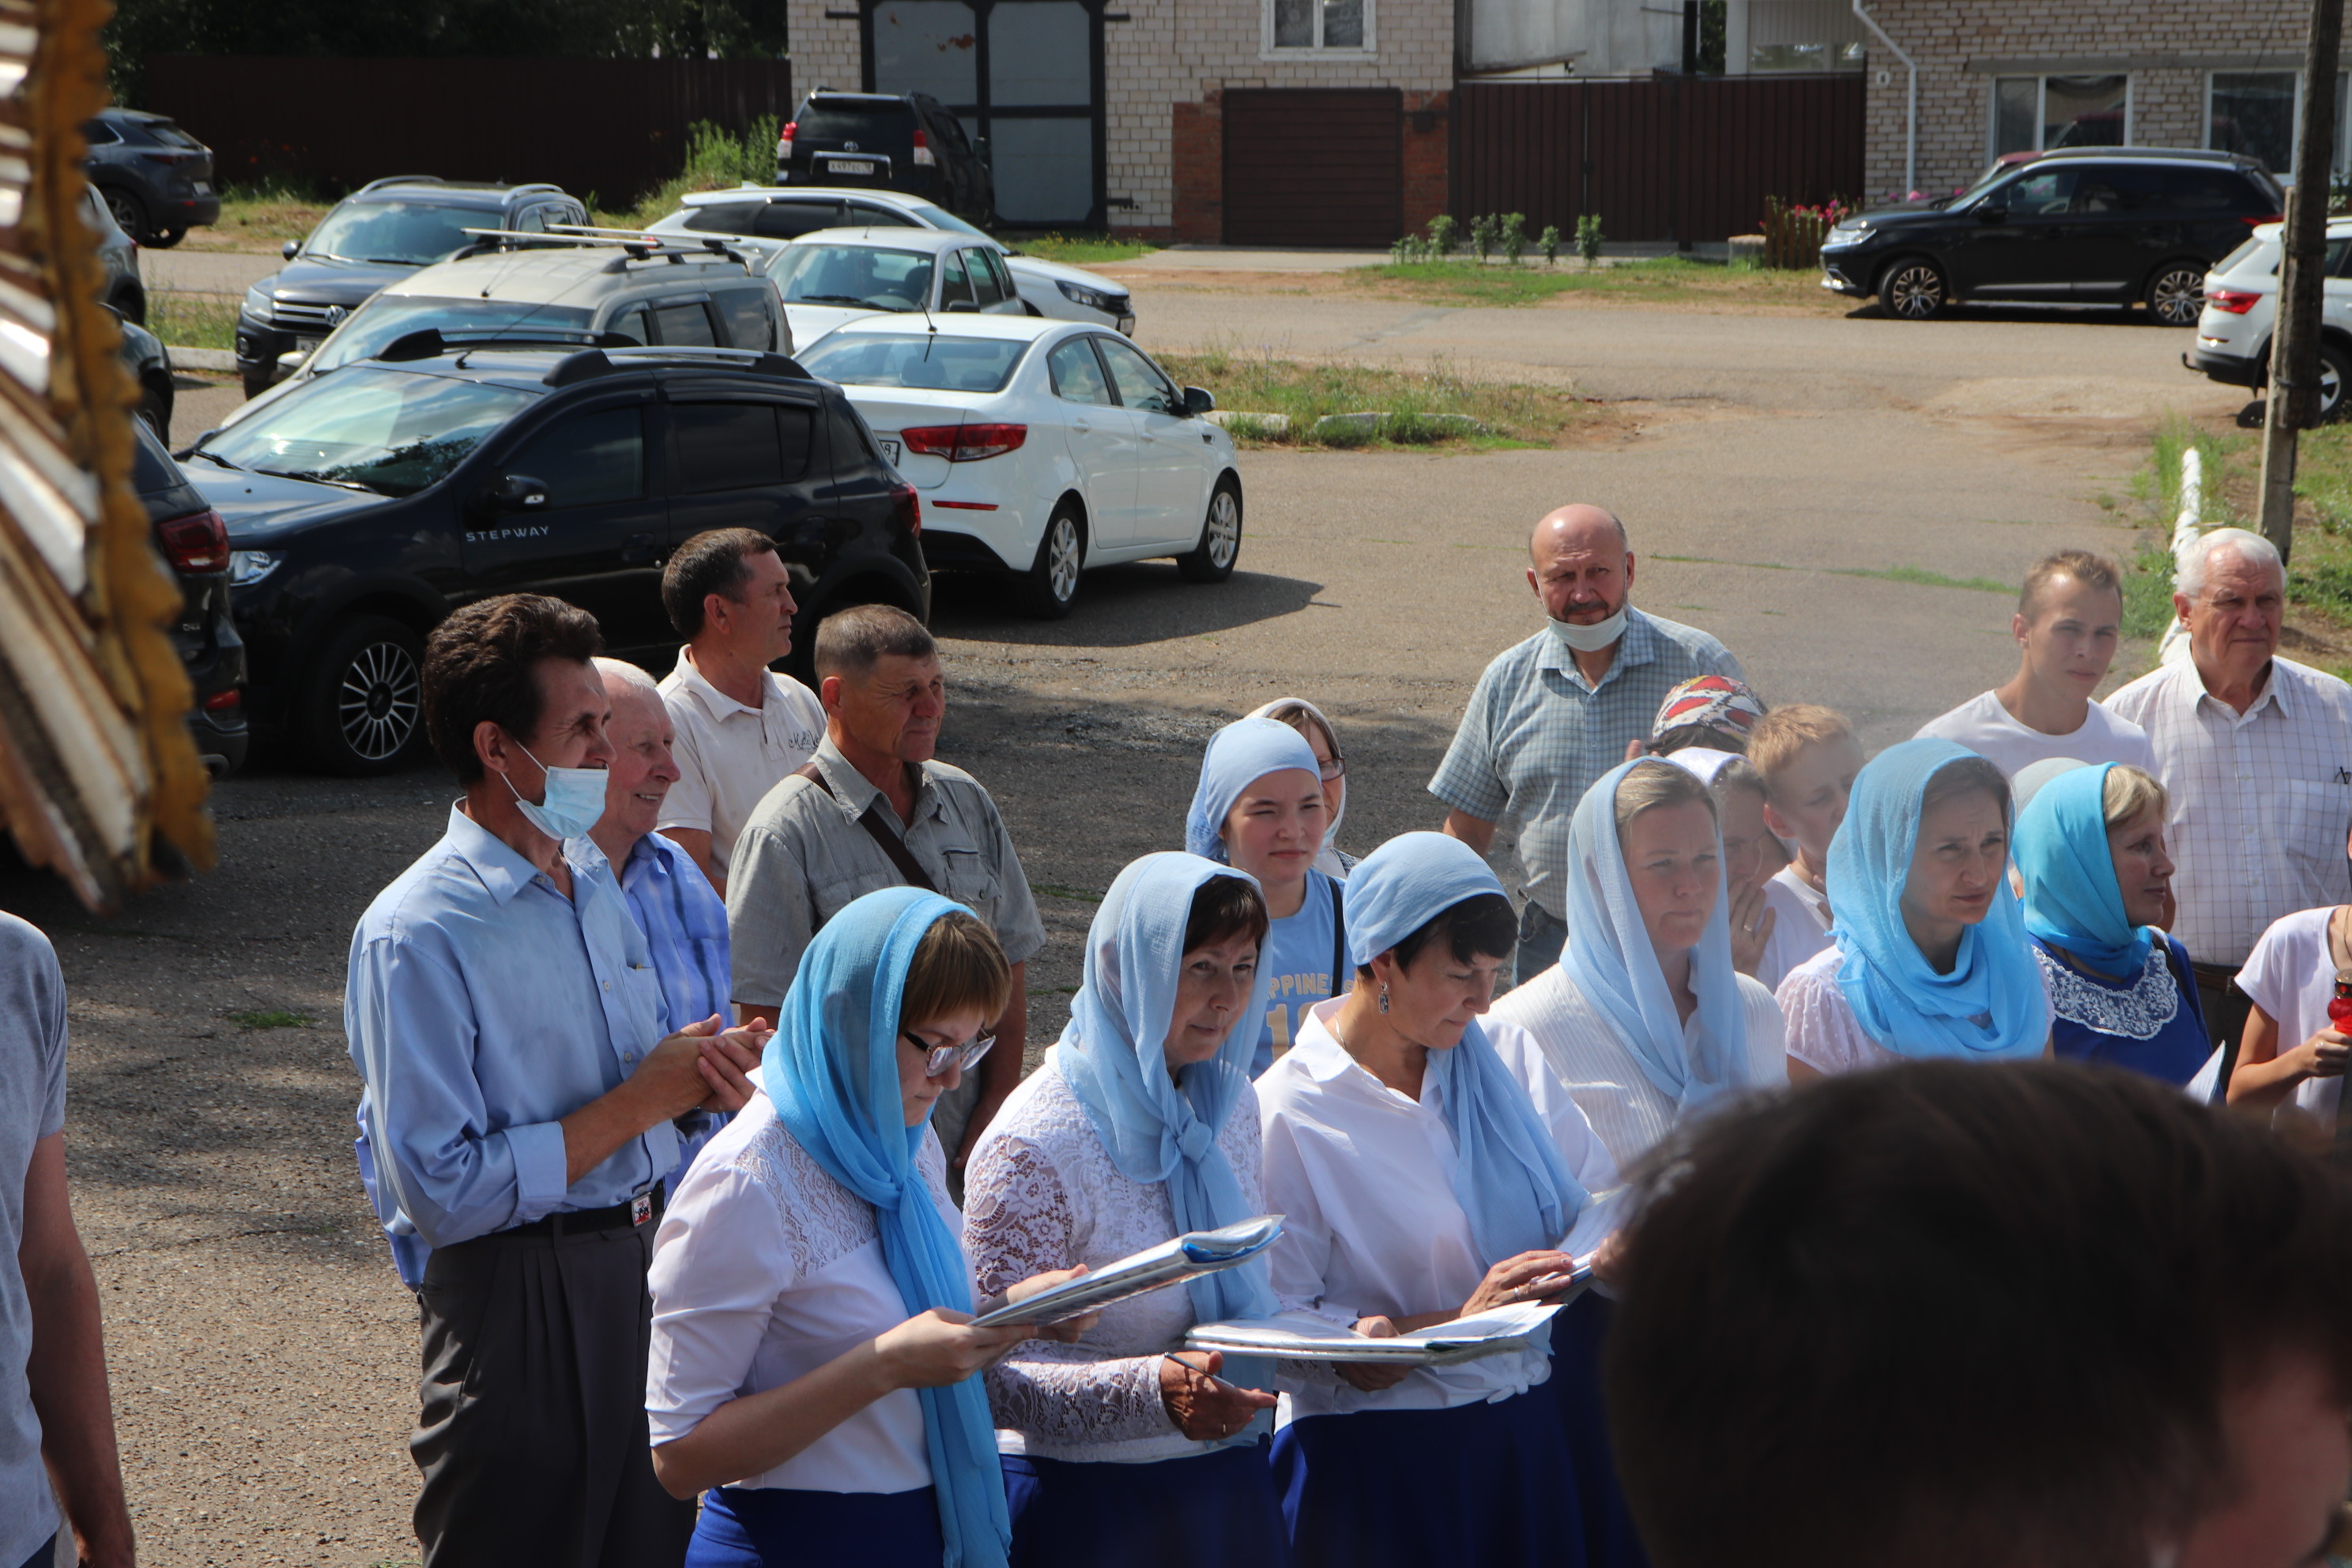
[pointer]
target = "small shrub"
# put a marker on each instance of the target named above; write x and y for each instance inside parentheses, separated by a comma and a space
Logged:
(1588, 237)
(1514, 237)
(1483, 234)
(1445, 234)
(1549, 241)
(1401, 250)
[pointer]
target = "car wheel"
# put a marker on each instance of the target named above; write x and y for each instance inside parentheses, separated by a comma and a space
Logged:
(164, 238)
(2335, 374)
(2176, 294)
(1913, 289)
(365, 702)
(1211, 561)
(1050, 587)
(130, 213)
(155, 408)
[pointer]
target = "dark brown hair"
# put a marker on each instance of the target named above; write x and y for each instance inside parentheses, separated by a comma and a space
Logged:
(482, 663)
(1482, 926)
(849, 642)
(957, 967)
(1222, 909)
(1965, 775)
(2004, 1303)
(712, 562)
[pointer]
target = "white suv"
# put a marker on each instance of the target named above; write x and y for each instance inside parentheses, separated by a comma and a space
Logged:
(2233, 332)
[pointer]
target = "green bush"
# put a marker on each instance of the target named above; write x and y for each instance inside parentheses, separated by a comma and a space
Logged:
(1548, 240)
(1514, 237)
(1588, 237)
(1445, 234)
(1483, 234)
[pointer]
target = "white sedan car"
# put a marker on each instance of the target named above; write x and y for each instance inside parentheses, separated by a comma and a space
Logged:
(1041, 448)
(838, 274)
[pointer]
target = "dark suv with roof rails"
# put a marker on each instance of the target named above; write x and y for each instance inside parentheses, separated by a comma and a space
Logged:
(378, 235)
(2121, 225)
(900, 141)
(364, 506)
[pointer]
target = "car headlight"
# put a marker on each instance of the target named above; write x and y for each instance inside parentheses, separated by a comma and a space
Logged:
(1092, 299)
(247, 568)
(258, 301)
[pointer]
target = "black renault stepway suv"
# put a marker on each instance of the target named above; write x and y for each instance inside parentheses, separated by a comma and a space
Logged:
(2122, 225)
(365, 505)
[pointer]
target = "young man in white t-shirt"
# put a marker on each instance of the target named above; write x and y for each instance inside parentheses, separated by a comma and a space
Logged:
(2068, 620)
(1808, 756)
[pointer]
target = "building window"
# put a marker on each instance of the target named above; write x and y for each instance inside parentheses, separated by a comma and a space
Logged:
(2037, 114)
(1813, 57)
(2256, 112)
(1334, 25)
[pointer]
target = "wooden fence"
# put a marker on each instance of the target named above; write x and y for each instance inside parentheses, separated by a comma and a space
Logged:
(1668, 158)
(612, 128)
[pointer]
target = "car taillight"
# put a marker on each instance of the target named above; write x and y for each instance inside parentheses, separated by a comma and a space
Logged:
(785, 141)
(2258, 222)
(171, 157)
(907, 507)
(923, 159)
(197, 544)
(2237, 302)
(222, 702)
(964, 443)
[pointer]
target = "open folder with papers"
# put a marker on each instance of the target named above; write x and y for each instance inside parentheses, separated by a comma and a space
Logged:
(1299, 1336)
(1193, 1254)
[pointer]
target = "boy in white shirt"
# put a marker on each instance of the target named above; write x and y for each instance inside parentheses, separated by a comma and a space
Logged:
(2069, 617)
(1808, 756)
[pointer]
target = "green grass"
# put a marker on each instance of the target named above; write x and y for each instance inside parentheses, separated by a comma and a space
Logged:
(1079, 249)
(1515, 414)
(191, 321)
(271, 1018)
(261, 216)
(2147, 593)
(1669, 279)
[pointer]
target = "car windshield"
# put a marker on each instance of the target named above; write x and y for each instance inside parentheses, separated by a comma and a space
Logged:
(853, 275)
(405, 234)
(831, 122)
(932, 360)
(394, 431)
(375, 325)
(939, 217)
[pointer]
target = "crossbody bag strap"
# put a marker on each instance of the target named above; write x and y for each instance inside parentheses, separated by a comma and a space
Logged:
(1338, 940)
(910, 870)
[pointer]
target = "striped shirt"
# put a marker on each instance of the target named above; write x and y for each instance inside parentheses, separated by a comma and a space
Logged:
(2260, 800)
(1536, 733)
(685, 935)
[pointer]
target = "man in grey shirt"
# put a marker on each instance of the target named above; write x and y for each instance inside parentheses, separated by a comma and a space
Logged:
(816, 843)
(53, 1406)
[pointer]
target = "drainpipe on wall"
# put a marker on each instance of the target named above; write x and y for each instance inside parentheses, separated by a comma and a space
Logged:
(1911, 106)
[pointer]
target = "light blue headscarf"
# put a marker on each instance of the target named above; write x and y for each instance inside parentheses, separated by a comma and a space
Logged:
(1615, 969)
(1991, 1005)
(2072, 896)
(1240, 755)
(1112, 1055)
(832, 1068)
(1509, 1176)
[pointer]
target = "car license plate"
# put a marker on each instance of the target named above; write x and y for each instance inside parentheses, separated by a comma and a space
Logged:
(203, 187)
(851, 165)
(889, 450)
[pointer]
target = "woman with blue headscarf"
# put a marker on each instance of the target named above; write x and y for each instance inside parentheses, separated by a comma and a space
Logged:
(1123, 1447)
(1927, 955)
(1260, 807)
(2090, 850)
(1426, 1173)
(811, 1368)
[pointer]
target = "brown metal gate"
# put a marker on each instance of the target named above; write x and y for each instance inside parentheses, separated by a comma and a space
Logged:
(1314, 167)
(1675, 158)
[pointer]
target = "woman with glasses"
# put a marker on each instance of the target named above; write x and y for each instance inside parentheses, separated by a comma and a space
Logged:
(811, 1359)
(1324, 742)
(1261, 808)
(1142, 1125)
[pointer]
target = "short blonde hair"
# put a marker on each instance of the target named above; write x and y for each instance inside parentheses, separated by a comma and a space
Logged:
(2128, 792)
(1650, 783)
(2091, 570)
(1783, 733)
(958, 967)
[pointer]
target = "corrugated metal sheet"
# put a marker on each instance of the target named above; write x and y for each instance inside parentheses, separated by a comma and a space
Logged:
(1314, 167)
(1672, 158)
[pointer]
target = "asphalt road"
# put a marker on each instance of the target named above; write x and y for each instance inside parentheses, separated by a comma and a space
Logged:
(1780, 475)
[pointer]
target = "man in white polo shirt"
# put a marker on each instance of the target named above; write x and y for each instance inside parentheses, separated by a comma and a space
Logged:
(2069, 618)
(741, 728)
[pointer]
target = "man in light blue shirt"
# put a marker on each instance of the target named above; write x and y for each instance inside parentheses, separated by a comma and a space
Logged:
(1554, 713)
(504, 1014)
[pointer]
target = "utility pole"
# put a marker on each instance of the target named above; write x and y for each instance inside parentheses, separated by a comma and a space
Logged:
(1690, 35)
(2293, 397)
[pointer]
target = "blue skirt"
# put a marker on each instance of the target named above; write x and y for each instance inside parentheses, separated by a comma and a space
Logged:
(1478, 1486)
(1206, 1510)
(769, 1527)
(1578, 1332)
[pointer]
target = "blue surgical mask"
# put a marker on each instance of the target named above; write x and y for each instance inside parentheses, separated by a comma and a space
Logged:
(575, 799)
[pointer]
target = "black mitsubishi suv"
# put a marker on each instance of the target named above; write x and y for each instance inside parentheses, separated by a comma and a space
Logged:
(2121, 225)
(364, 506)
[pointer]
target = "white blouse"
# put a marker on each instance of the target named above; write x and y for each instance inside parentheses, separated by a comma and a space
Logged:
(1824, 1033)
(764, 1269)
(1363, 1177)
(1041, 1193)
(1629, 1111)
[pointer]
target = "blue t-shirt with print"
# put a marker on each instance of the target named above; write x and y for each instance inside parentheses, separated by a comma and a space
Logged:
(1297, 962)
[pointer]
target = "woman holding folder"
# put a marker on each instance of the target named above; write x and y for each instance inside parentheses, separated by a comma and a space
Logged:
(1426, 1173)
(1139, 1126)
(811, 1361)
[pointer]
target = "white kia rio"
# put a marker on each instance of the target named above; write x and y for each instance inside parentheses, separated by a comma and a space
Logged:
(1041, 448)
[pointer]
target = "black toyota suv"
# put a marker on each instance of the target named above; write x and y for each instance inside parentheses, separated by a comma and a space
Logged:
(2121, 225)
(900, 141)
(379, 233)
(364, 506)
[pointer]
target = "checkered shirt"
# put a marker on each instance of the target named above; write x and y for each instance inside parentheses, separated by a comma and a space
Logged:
(2260, 800)
(1535, 734)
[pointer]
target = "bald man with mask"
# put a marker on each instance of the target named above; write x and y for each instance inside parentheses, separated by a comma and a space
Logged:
(1553, 713)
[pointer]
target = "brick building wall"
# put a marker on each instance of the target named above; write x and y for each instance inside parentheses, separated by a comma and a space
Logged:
(2167, 47)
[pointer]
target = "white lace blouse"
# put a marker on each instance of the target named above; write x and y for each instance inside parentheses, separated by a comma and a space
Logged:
(1824, 1033)
(764, 1269)
(1041, 1193)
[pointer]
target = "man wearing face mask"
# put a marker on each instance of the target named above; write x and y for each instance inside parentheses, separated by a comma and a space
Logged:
(519, 1112)
(1555, 712)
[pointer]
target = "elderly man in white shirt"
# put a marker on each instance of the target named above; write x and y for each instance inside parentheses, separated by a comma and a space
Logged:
(741, 728)
(2256, 753)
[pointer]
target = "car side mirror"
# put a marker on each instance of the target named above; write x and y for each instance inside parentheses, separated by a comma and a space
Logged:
(1199, 400)
(290, 249)
(1992, 214)
(511, 493)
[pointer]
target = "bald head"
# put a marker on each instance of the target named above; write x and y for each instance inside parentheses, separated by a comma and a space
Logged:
(1576, 526)
(1579, 564)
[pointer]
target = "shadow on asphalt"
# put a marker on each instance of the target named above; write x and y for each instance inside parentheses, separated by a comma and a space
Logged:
(1118, 607)
(2104, 313)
